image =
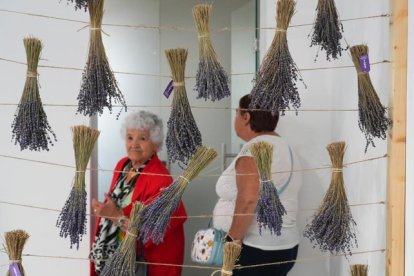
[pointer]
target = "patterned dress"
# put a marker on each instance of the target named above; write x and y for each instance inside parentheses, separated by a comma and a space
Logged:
(109, 235)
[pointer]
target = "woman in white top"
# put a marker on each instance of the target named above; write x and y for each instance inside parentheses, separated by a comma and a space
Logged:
(238, 191)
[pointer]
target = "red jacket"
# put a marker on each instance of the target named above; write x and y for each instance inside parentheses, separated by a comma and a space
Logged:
(147, 187)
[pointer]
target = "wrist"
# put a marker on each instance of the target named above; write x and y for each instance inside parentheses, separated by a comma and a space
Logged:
(229, 238)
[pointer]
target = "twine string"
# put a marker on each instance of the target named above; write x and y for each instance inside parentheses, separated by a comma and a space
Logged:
(186, 179)
(178, 84)
(31, 74)
(299, 260)
(190, 77)
(227, 272)
(204, 216)
(182, 29)
(203, 175)
(131, 234)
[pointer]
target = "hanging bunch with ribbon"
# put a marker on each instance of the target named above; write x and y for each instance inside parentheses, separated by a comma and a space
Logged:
(275, 88)
(15, 241)
(183, 136)
(332, 226)
(211, 79)
(270, 209)
(99, 86)
(359, 270)
(122, 262)
(72, 218)
(30, 128)
(156, 216)
(328, 29)
(373, 120)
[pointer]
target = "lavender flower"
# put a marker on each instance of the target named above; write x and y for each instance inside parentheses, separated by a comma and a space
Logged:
(275, 87)
(327, 30)
(72, 219)
(157, 215)
(269, 208)
(99, 86)
(183, 136)
(80, 4)
(333, 227)
(211, 79)
(30, 128)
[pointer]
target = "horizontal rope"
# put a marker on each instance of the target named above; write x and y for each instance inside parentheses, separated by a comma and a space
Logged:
(183, 29)
(203, 175)
(198, 107)
(181, 217)
(191, 77)
(299, 260)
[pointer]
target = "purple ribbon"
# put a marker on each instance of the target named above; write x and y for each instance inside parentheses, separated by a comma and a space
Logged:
(364, 63)
(14, 270)
(169, 89)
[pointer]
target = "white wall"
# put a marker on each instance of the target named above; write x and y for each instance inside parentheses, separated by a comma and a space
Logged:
(35, 183)
(310, 132)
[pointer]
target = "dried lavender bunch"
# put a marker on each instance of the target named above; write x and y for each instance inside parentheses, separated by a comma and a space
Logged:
(332, 226)
(99, 86)
(211, 79)
(30, 128)
(80, 4)
(156, 216)
(15, 241)
(373, 121)
(328, 29)
(270, 209)
(183, 136)
(72, 218)
(359, 270)
(275, 88)
(122, 262)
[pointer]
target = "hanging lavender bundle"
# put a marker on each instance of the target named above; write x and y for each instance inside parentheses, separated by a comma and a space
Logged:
(80, 4)
(122, 262)
(99, 86)
(275, 88)
(359, 270)
(156, 216)
(269, 209)
(332, 226)
(211, 79)
(328, 29)
(373, 120)
(30, 128)
(72, 219)
(15, 241)
(183, 136)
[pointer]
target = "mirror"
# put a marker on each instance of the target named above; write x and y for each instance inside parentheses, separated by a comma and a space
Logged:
(141, 50)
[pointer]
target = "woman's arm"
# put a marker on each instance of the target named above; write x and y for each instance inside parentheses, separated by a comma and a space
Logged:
(247, 196)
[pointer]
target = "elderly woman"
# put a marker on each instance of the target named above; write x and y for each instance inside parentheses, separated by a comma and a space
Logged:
(140, 176)
(238, 191)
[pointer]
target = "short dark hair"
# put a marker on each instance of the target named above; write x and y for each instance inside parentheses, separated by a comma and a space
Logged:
(260, 121)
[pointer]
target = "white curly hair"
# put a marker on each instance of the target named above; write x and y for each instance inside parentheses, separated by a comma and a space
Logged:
(145, 120)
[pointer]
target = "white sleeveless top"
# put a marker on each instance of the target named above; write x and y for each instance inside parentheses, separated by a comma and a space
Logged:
(287, 184)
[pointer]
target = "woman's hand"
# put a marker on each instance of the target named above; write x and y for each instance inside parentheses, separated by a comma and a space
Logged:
(107, 209)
